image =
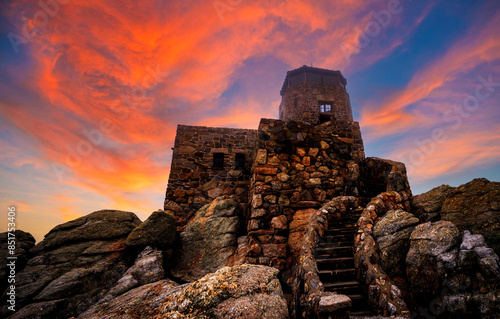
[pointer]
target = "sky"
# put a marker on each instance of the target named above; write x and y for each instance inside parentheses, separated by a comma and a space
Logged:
(91, 91)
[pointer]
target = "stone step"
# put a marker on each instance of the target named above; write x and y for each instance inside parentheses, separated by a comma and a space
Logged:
(344, 287)
(333, 275)
(334, 252)
(334, 249)
(343, 237)
(334, 263)
(325, 244)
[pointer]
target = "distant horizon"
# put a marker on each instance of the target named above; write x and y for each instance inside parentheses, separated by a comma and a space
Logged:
(91, 93)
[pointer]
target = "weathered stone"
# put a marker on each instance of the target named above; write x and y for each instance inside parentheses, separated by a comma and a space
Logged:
(301, 152)
(265, 170)
(271, 199)
(283, 201)
(209, 240)
(275, 161)
(257, 201)
(256, 213)
(274, 250)
(157, 231)
(473, 206)
(433, 253)
(147, 268)
(313, 152)
(332, 303)
(261, 156)
(214, 193)
(23, 243)
(392, 233)
(76, 264)
(324, 145)
(279, 222)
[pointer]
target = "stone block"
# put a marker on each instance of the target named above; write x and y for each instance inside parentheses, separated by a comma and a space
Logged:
(265, 170)
(274, 250)
(279, 222)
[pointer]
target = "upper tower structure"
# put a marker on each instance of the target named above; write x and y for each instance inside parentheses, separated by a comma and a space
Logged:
(315, 96)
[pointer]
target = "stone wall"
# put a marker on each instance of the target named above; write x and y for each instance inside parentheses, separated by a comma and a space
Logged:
(194, 181)
(301, 102)
(384, 296)
(380, 175)
(296, 167)
(348, 132)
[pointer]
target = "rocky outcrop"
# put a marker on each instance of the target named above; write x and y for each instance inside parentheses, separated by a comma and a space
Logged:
(147, 268)
(209, 240)
(392, 233)
(452, 275)
(474, 206)
(141, 302)
(156, 231)
(74, 266)
(432, 256)
(246, 291)
(23, 242)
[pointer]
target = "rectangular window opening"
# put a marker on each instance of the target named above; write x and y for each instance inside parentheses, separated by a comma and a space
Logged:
(218, 160)
(239, 161)
(325, 107)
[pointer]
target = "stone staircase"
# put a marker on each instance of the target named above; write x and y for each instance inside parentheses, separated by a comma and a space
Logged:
(335, 259)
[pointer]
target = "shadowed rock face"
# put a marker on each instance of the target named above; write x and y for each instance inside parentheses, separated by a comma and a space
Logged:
(246, 291)
(24, 242)
(209, 240)
(156, 231)
(474, 206)
(74, 265)
(392, 233)
(433, 253)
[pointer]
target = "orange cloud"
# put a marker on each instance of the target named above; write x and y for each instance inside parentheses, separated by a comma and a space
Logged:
(392, 115)
(459, 152)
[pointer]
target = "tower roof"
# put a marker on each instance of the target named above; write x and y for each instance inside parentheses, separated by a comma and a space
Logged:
(311, 74)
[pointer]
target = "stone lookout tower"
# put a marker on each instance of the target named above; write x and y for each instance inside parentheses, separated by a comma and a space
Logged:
(304, 158)
(315, 96)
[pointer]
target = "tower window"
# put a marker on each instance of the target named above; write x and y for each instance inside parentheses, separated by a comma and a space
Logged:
(325, 107)
(239, 161)
(218, 160)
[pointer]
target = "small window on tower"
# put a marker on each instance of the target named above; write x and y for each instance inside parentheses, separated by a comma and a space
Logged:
(218, 160)
(325, 107)
(239, 161)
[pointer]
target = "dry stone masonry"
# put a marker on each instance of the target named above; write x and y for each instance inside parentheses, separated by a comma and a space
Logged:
(281, 174)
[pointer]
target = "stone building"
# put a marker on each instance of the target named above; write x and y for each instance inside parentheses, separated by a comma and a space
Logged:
(208, 162)
(286, 167)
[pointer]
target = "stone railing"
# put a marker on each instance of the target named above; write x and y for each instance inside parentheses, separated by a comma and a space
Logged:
(383, 296)
(320, 304)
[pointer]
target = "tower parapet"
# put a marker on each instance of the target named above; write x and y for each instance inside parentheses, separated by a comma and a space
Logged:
(315, 96)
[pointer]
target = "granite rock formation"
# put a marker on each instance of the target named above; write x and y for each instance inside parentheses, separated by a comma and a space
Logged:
(246, 291)
(474, 206)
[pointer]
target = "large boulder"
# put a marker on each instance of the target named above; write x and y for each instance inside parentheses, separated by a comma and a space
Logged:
(74, 266)
(23, 243)
(474, 206)
(147, 268)
(156, 231)
(209, 240)
(141, 302)
(392, 234)
(246, 292)
(428, 205)
(433, 254)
